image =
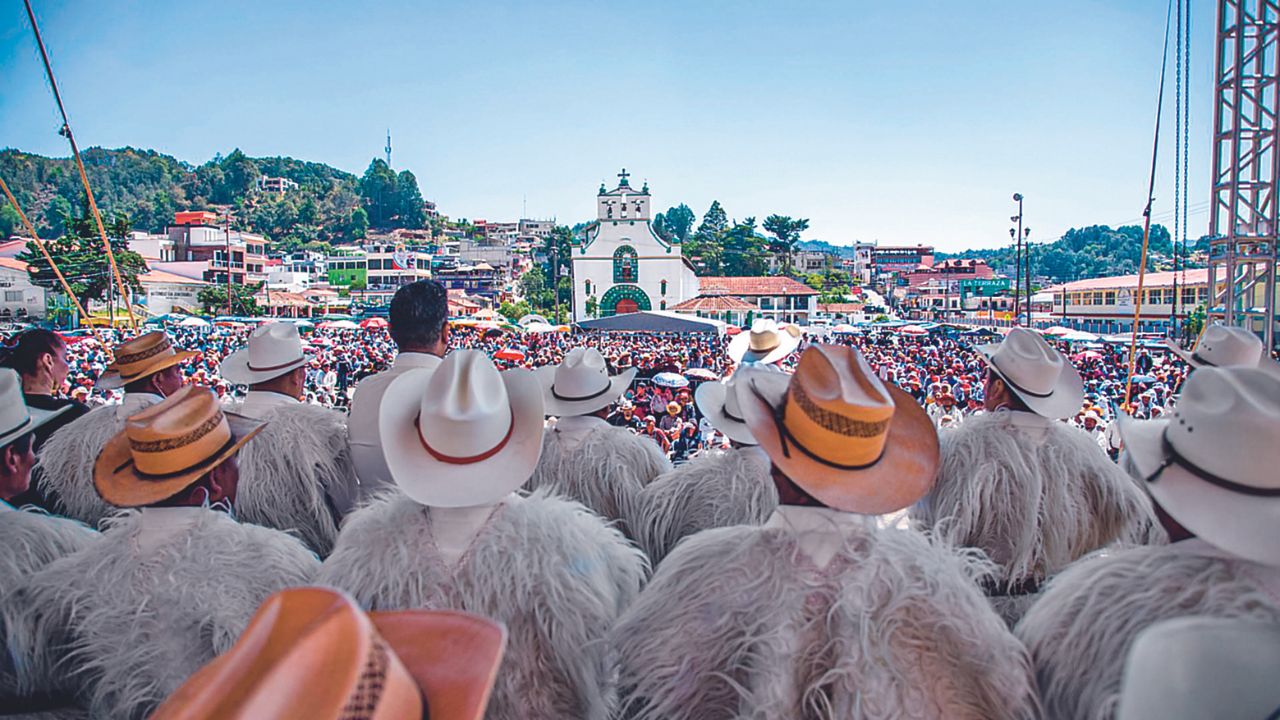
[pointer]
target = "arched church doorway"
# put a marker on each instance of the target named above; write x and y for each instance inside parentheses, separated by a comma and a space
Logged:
(626, 305)
(622, 299)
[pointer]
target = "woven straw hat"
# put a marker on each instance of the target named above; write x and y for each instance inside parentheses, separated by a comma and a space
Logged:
(139, 357)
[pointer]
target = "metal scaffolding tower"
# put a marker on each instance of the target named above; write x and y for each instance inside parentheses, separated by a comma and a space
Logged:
(1246, 169)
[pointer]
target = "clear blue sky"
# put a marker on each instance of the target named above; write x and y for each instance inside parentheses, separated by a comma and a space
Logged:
(903, 122)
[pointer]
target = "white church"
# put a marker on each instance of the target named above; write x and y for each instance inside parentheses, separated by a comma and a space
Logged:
(622, 264)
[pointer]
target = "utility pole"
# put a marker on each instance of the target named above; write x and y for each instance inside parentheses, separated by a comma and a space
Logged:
(1019, 236)
(1017, 273)
(227, 230)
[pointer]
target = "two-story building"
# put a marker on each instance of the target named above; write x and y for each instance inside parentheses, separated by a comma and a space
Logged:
(197, 237)
(780, 298)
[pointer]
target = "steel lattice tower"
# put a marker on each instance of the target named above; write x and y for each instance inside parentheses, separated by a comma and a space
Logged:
(1246, 169)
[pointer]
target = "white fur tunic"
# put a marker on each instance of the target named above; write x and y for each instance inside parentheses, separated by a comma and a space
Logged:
(605, 470)
(1080, 631)
(29, 541)
(65, 463)
(1035, 495)
(553, 572)
(736, 623)
(292, 469)
(717, 489)
(128, 620)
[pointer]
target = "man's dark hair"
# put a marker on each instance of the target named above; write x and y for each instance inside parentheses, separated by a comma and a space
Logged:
(419, 311)
(27, 348)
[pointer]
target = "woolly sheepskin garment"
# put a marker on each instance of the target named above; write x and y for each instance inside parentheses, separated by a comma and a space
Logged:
(899, 629)
(718, 489)
(65, 463)
(605, 472)
(128, 627)
(30, 540)
(555, 573)
(1080, 631)
(288, 471)
(1034, 507)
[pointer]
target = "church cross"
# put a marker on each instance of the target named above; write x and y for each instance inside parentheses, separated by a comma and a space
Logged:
(624, 175)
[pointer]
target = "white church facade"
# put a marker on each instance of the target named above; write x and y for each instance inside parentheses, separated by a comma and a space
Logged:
(620, 265)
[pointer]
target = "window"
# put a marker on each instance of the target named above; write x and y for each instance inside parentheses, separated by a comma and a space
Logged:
(624, 264)
(586, 286)
(1110, 297)
(13, 296)
(663, 291)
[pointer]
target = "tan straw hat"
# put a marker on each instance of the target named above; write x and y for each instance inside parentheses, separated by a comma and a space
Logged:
(165, 448)
(841, 434)
(274, 350)
(767, 342)
(312, 653)
(463, 434)
(139, 357)
(1037, 373)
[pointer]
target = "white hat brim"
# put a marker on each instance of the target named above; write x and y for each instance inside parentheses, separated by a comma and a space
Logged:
(437, 483)
(235, 368)
(739, 349)
(36, 418)
(710, 397)
(1183, 354)
(1064, 401)
(1243, 525)
(558, 407)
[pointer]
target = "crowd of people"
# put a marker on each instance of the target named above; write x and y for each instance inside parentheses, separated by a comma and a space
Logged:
(452, 523)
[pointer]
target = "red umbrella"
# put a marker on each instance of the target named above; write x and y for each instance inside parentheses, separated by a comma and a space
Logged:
(509, 354)
(374, 323)
(732, 330)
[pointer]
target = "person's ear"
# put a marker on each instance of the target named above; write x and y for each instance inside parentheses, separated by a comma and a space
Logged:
(9, 460)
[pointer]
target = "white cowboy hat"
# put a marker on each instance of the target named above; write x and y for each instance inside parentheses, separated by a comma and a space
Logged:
(1212, 464)
(1036, 372)
(16, 419)
(462, 434)
(767, 342)
(581, 384)
(1223, 346)
(1202, 667)
(718, 402)
(274, 350)
(839, 433)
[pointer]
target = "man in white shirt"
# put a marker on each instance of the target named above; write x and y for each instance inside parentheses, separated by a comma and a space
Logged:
(298, 471)
(147, 368)
(419, 325)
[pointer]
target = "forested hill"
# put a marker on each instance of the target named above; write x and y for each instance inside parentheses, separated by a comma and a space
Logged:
(1092, 251)
(329, 205)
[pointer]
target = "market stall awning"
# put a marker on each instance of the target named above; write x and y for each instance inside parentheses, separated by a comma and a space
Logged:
(654, 321)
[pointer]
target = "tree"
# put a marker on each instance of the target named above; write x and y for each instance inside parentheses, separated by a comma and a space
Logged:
(56, 216)
(817, 281)
(82, 260)
(744, 250)
(10, 222)
(532, 284)
(358, 225)
(213, 299)
(679, 221)
(786, 233)
(378, 193)
(409, 210)
(560, 242)
(593, 307)
(713, 223)
(514, 311)
(660, 228)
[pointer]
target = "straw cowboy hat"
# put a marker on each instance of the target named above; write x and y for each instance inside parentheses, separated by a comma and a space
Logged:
(1036, 372)
(842, 435)
(167, 447)
(1212, 464)
(581, 383)
(16, 419)
(139, 357)
(312, 653)
(1200, 667)
(274, 349)
(463, 434)
(718, 403)
(767, 342)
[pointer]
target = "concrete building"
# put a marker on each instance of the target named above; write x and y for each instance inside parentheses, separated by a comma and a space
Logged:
(900, 258)
(1106, 304)
(276, 185)
(621, 264)
(165, 292)
(19, 297)
(780, 298)
(197, 236)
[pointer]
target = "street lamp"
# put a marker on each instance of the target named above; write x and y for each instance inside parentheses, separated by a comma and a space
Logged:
(1017, 197)
(1017, 271)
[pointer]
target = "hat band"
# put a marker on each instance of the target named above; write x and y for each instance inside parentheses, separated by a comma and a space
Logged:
(608, 385)
(231, 442)
(269, 368)
(1197, 357)
(471, 459)
(143, 354)
(725, 409)
(167, 444)
(788, 440)
(1174, 458)
(18, 427)
(836, 422)
(1015, 385)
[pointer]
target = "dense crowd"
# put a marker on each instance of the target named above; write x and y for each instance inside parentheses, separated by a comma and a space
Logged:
(940, 371)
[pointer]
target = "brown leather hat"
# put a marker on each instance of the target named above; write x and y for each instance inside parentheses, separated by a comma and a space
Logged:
(312, 653)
